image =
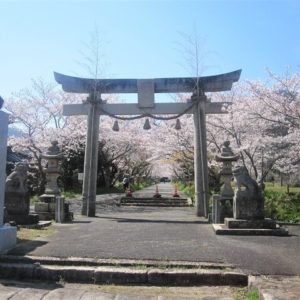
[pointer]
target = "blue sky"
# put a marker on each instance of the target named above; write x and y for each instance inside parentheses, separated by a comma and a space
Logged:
(143, 39)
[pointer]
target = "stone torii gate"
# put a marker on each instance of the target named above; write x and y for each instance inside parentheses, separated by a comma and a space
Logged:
(199, 105)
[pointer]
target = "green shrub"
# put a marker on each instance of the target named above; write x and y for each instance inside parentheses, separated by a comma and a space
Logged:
(187, 189)
(74, 193)
(281, 206)
(34, 199)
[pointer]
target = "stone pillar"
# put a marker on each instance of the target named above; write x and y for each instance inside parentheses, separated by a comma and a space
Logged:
(8, 234)
(198, 167)
(216, 209)
(203, 146)
(91, 204)
(87, 161)
(91, 160)
(60, 209)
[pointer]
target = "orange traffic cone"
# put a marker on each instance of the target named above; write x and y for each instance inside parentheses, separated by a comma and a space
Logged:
(157, 194)
(176, 193)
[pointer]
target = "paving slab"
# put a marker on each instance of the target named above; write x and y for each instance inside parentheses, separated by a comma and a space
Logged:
(277, 287)
(37, 290)
(7, 292)
(29, 293)
(134, 297)
(64, 293)
(97, 296)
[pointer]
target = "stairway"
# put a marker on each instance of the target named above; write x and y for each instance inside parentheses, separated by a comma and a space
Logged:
(163, 201)
(119, 271)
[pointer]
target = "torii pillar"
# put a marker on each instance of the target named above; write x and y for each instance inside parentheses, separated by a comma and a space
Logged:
(89, 188)
(146, 106)
(200, 156)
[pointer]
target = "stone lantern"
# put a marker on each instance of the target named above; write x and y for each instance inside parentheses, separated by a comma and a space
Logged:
(46, 208)
(226, 157)
(220, 210)
(54, 158)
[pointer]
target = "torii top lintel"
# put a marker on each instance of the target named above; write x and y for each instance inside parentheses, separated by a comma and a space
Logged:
(216, 83)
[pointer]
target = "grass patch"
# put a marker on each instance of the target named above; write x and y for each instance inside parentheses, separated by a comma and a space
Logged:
(71, 194)
(25, 235)
(252, 295)
(276, 187)
(246, 294)
(141, 267)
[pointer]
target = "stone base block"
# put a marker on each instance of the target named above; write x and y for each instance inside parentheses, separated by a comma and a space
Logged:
(48, 198)
(17, 203)
(46, 216)
(45, 210)
(224, 230)
(259, 224)
(8, 238)
(222, 208)
(52, 207)
(23, 219)
(41, 207)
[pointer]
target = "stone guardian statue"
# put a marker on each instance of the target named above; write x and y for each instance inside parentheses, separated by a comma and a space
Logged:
(248, 201)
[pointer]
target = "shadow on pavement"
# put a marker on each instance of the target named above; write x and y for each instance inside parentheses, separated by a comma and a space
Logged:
(126, 220)
(24, 248)
(33, 285)
(80, 222)
(160, 221)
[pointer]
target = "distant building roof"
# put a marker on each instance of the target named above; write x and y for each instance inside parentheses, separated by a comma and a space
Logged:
(14, 157)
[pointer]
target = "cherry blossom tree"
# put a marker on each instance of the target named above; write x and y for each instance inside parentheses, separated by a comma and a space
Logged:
(262, 124)
(36, 112)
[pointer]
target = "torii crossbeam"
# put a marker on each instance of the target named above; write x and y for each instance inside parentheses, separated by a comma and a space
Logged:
(146, 89)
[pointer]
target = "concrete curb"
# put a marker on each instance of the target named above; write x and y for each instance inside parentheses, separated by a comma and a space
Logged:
(122, 275)
(220, 229)
(39, 225)
(82, 261)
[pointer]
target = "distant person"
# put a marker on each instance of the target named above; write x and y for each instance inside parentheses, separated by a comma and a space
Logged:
(125, 183)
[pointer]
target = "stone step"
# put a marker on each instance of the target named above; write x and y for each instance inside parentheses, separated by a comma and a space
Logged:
(128, 201)
(152, 201)
(83, 261)
(135, 273)
(155, 204)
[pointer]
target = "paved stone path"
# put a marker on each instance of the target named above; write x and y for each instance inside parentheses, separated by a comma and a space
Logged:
(270, 288)
(13, 290)
(277, 287)
(169, 234)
